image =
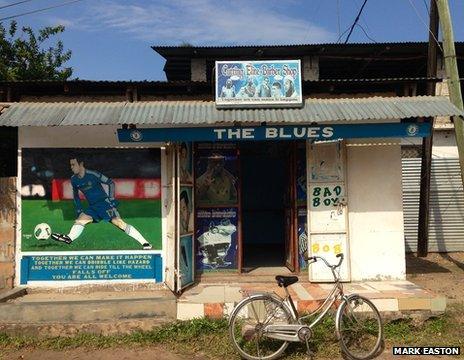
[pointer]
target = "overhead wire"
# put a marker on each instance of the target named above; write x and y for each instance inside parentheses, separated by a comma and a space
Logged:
(365, 33)
(355, 21)
(39, 10)
(425, 24)
(14, 4)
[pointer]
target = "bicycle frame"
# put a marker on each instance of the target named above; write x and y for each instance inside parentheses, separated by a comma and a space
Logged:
(291, 332)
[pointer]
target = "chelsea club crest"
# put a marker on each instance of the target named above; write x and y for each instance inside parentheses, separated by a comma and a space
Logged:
(136, 135)
(412, 129)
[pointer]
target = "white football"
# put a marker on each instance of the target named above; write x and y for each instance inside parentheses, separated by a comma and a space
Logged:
(42, 231)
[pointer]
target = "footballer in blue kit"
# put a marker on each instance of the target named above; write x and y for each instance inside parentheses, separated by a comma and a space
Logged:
(102, 204)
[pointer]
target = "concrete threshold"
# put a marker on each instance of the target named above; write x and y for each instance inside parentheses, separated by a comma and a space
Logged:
(393, 298)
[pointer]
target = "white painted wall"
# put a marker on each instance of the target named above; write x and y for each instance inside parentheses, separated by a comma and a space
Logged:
(444, 144)
(73, 136)
(377, 249)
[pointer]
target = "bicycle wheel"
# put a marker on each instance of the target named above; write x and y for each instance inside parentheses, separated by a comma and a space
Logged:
(247, 324)
(359, 328)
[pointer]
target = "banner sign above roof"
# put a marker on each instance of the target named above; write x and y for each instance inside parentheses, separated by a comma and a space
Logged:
(300, 132)
(253, 84)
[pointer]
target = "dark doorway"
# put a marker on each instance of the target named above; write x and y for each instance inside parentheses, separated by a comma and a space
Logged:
(265, 183)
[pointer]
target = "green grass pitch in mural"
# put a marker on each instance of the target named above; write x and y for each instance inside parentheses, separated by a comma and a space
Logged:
(143, 214)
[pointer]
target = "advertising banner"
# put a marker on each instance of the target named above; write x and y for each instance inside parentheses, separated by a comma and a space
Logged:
(216, 234)
(275, 83)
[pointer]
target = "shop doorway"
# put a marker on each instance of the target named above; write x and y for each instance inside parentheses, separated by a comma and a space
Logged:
(266, 204)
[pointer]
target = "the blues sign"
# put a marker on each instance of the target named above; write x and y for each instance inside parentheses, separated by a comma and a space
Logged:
(258, 84)
(299, 132)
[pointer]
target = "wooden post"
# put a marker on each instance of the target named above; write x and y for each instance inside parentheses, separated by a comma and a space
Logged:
(451, 68)
(426, 165)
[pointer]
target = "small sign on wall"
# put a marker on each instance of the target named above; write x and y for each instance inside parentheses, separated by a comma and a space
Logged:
(275, 83)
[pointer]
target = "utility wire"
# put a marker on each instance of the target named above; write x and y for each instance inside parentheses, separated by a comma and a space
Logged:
(14, 4)
(425, 24)
(355, 21)
(365, 33)
(39, 10)
(338, 16)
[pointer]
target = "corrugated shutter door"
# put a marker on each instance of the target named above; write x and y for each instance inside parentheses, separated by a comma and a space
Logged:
(446, 228)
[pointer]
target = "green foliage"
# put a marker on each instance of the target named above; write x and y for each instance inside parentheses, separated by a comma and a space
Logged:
(26, 56)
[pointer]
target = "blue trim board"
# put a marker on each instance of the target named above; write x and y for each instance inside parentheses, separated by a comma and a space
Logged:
(259, 133)
(91, 267)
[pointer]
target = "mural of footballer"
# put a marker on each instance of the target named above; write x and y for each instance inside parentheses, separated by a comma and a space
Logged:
(102, 205)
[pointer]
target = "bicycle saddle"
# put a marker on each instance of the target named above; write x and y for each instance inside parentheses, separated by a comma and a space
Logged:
(284, 281)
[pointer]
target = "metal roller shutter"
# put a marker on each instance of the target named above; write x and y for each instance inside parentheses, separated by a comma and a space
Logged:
(446, 228)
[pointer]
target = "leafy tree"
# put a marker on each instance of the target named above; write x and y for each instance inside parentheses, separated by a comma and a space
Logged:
(25, 56)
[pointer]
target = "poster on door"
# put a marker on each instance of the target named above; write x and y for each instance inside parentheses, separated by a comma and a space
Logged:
(186, 273)
(216, 169)
(216, 236)
(301, 195)
(302, 237)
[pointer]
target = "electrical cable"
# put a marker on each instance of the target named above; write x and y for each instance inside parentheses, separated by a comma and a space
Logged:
(365, 33)
(355, 21)
(425, 24)
(14, 4)
(39, 10)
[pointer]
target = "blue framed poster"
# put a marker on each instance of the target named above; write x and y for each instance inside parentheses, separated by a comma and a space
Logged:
(270, 83)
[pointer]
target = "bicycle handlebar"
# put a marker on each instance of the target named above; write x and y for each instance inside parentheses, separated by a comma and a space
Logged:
(314, 259)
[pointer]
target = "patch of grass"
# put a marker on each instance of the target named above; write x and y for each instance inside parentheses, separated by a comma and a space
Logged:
(210, 337)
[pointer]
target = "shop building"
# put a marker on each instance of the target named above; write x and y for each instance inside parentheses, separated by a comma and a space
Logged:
(204, 187)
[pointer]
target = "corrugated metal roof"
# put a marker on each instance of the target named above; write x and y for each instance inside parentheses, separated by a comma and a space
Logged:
(166, 113)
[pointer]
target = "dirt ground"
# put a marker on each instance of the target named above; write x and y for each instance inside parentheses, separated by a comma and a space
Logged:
(101, 354)
(441, 273)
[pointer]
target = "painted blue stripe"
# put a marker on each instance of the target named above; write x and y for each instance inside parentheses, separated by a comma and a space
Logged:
(307, 132)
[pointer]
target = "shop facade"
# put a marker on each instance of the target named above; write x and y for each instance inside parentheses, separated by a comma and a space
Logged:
(216, 198)
(217, 188)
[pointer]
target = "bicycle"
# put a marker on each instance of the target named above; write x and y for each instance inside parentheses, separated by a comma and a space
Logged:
(262, 325)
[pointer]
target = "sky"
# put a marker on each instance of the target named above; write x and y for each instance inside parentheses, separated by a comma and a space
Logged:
(112, 39)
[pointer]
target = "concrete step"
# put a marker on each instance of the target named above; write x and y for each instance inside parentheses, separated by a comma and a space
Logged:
(96, 307)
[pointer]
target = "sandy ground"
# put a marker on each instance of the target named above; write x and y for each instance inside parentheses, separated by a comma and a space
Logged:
(103, 354)
(441, 273)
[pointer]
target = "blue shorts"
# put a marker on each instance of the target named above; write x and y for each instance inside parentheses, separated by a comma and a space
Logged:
(101, 211)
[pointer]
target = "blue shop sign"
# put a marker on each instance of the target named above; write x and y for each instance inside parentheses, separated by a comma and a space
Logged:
(259, 133)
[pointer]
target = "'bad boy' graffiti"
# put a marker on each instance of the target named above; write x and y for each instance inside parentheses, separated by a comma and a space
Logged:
(327, 195)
